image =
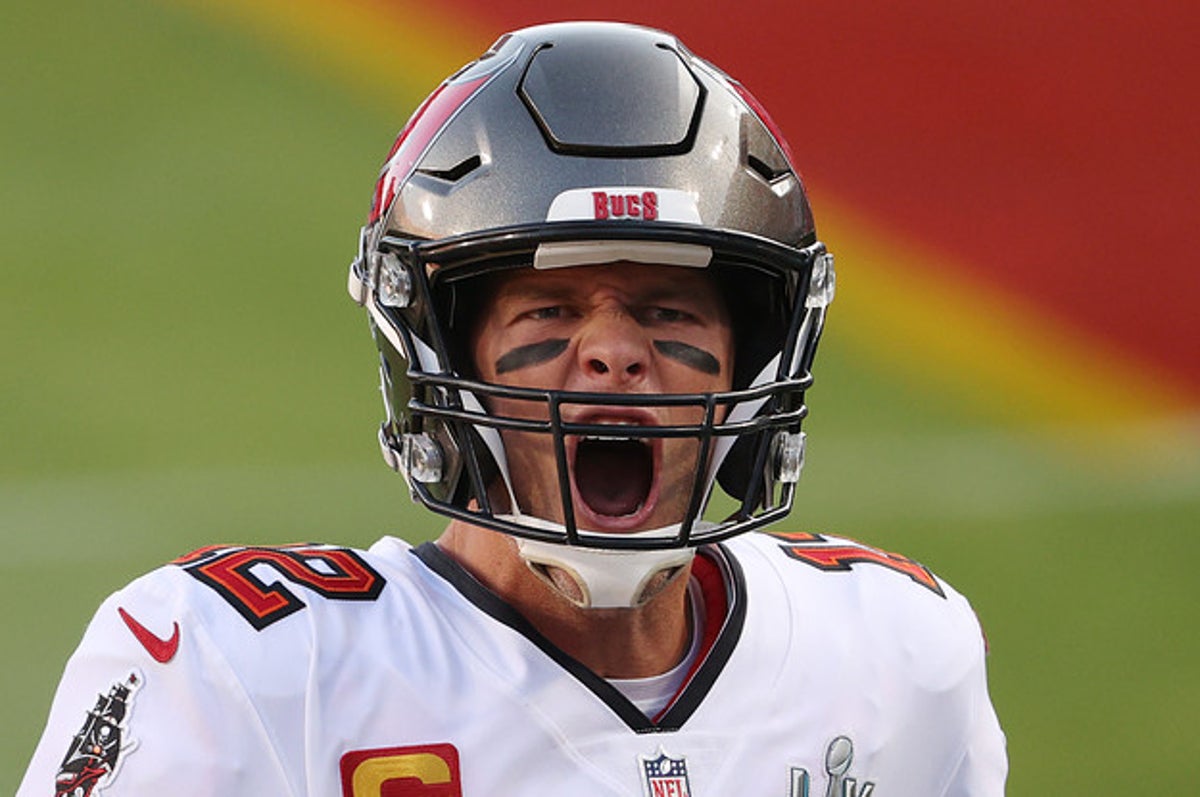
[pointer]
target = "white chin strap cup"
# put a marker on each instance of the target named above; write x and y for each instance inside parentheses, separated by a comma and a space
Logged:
(606, 578)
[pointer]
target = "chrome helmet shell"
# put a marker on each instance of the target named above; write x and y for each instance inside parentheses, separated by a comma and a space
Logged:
(583, 143)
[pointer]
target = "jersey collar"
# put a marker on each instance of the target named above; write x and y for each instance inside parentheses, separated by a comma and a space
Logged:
(723, 589)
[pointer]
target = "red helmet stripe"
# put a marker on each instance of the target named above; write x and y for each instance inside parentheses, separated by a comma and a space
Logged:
(415, 138)
(761, 111)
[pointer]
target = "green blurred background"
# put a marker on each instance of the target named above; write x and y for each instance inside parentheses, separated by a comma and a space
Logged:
(182, 366)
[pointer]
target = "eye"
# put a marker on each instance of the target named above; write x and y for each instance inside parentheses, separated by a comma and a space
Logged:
(668, 315)
(548, 313)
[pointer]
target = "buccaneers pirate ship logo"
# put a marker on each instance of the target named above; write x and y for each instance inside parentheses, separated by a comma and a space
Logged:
(101, 744)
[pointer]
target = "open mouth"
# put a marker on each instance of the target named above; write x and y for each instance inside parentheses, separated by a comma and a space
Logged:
(614, 477)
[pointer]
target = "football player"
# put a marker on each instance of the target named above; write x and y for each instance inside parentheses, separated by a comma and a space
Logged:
(594, 280)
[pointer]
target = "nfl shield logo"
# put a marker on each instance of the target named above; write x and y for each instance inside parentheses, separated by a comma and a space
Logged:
(664, 776)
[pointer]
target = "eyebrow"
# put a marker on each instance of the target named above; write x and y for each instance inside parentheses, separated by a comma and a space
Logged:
(530, 354)
(535, 291)
(689, 355)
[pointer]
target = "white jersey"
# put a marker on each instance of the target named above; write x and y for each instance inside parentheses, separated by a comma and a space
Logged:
(828, 669)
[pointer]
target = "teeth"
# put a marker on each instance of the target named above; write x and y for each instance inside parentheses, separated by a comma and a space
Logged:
(612, 438)
(604, 437)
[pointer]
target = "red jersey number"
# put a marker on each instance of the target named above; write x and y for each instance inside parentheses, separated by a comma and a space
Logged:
(241, 577)
(815, 550)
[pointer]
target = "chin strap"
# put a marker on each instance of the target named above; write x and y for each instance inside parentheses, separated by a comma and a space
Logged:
(605, 578)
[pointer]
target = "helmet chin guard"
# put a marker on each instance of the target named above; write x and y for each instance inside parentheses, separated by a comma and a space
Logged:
(604, 578)
(588, 143)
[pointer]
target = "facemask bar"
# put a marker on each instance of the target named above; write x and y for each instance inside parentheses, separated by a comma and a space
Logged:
(764, 427)
(559, 430)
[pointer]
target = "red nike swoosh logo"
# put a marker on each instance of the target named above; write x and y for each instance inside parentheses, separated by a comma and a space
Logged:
(161, 650)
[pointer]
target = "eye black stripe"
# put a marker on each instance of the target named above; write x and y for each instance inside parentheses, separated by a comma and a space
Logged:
(530, 354)
(689, 355)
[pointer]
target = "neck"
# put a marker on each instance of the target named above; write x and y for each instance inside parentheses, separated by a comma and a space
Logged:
(614, 643)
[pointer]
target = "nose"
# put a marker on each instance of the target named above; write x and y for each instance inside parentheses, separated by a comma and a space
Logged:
(613, 349)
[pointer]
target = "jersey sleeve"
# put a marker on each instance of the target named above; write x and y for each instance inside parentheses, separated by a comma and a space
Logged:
(909, 667)
(983, 766)
(951, 674)
(149, 705)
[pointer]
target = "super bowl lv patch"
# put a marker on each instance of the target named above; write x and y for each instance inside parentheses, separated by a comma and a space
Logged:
(101, 744)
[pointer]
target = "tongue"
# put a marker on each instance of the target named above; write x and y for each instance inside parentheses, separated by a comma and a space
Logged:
(613, 476)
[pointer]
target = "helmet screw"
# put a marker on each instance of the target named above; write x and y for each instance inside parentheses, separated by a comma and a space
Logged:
(789, 447)
(822, 282)
(395, 282)
(422, 458)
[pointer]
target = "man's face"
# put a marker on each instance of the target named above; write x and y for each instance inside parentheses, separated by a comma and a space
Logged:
(618, 328)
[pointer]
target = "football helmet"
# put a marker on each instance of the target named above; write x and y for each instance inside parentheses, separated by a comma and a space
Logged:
(586, 143)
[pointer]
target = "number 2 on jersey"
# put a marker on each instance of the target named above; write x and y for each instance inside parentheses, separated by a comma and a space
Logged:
(242, 576)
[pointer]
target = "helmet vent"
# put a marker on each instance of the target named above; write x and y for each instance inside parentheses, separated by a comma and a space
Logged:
(456, 172)
(764, 170)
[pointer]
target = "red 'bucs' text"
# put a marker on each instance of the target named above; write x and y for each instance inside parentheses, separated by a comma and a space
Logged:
(632, 206)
